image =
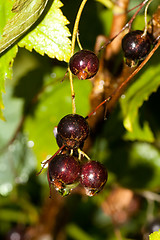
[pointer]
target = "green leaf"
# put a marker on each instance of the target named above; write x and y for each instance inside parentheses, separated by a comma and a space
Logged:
(154, 236)
(142, 132)
(146, 83)
(27, 13)
(51, 35)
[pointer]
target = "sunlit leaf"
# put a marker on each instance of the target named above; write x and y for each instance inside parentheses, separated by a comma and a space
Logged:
(51, 35)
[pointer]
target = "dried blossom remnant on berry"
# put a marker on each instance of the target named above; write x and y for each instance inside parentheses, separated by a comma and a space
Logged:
(73, 129)
(84, 64)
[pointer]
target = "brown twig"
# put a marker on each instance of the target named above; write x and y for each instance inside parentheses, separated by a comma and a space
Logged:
(50, 159)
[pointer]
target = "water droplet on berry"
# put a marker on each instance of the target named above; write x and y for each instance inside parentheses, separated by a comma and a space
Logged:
(64, 171)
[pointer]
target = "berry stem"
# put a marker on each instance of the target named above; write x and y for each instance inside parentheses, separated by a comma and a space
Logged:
(145, 18)
(75, 30)
(72, 92)
(48, 160)
(94, 111)
(134, 8)
(78, 41)
(76, 24)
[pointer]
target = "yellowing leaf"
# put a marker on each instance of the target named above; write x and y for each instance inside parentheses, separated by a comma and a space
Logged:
(51, 35)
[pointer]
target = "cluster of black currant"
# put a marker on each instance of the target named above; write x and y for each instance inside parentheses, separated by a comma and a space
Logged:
(66, 168)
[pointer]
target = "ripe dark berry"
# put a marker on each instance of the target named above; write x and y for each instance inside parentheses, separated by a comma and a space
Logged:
(84, 64)
(63, 171)
(136, 46)
(93, 177)
(73, 129)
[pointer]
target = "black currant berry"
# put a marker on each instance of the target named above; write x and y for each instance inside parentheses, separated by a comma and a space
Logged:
(84, 64)
(63, 173)
(73, 129)
(93, 177)
(136, 46)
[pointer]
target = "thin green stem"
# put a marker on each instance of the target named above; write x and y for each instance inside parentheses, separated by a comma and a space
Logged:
(76, 24)
(72, 92)
(74, 35)
(145, 18)
(78, 41)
